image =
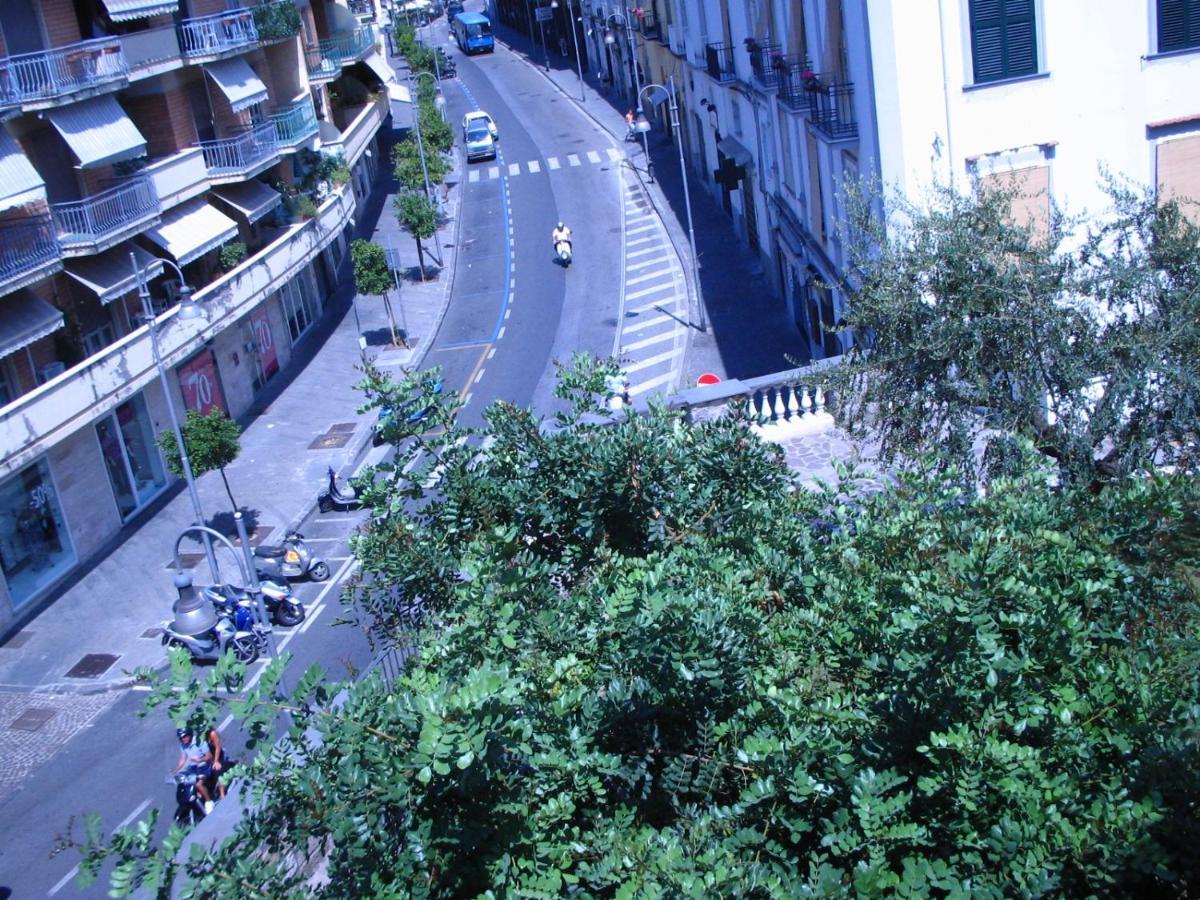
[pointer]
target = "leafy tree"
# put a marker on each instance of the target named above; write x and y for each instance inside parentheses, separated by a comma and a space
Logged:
(435, 131)
(373, 278)
(212, 442)
(418, 215)
(405, 37)
(407, 160)
(973, 329)
(645, 664)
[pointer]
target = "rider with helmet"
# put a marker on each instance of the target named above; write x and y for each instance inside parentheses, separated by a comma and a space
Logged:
(560, 233)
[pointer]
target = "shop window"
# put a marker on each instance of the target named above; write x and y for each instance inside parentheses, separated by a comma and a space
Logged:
(35, 549)
(135, 468)
(300, 306)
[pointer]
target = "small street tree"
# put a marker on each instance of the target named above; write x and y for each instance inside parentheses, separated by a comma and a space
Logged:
(373, 278)
(419, 218)
(212, 442)
(407, 161)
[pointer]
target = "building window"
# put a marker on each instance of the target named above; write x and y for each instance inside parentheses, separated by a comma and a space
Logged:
(1003, 39)
(134, 466)
(1178, 24)
(95, 341)
(300, 306)
(1177, 173)
(7, 394)
(35, 548)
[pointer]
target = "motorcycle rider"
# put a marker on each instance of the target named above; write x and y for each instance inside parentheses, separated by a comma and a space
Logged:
(561, 233)
(196, 757)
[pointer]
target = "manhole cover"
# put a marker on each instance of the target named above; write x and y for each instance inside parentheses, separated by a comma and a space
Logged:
(341, 427)
(187, 560)
(32, 719)
(151, 632)
(92, 665)
(329, 441)
(18, 640)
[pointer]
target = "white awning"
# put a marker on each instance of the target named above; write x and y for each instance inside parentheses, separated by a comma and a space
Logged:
(250, 199)
(24, 318)
(17, 175)
(192, 229)
(97, 131)
(129, 10)
(380, 67)
(111, 275)
(237, 82)
(398, 93)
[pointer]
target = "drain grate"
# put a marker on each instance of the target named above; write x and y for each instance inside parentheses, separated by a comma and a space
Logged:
(18, 640)
(341, 427)
(329, 441)
(32, 719)
(92, 665)
(187, 560)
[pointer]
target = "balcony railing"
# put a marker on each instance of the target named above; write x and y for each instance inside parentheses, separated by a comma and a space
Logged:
(348, 46)
(718, 59)
(833, 108)
(217, 35)
(97, 221)
(242, 155)
(25, 248)
(356, 136)
(766, 62)
(796, 82)
(647, 24)
(320, 66)
(295, 123)
(150, 50)
(51, 74)
(363, 7)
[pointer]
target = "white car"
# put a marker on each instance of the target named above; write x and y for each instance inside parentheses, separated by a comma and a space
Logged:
(480, 116)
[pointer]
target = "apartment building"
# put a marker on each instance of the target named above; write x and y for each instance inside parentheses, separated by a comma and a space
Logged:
(782, 102)
(214, 154)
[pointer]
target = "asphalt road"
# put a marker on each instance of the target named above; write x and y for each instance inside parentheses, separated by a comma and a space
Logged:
(512, 311)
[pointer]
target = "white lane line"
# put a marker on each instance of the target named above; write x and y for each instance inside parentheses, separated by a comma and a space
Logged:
(629, 267)
(493, 171)
(66, 879)
(478, 378)
(643, 324)
(573, 159)
(593, 157)
(491, 353)
(646, 292)
(650, 276)
(514, 169)
(552, 162)
(473, 175)
(467, 399)
(657, 248)
(648, 342)
(643, 240)
(340, 519)
(649, 361)
(613, 154)
(651, 384)
(641, 228)
(500, 333)
(311, 617)
(534, 167)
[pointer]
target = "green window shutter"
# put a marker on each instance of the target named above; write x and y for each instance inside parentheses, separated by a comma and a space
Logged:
(1004, 39)
(1178, 24)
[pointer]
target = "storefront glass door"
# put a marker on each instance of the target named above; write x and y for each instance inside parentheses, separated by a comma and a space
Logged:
(34, 545)
(134, 465)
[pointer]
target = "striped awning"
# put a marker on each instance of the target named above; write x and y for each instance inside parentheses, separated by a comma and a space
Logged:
(129, 10)
(249, 199)
(237, 82)
(192, 229)
(18, 177)
(97, 131)
(111, 275)
(380, 67)
(24, 318)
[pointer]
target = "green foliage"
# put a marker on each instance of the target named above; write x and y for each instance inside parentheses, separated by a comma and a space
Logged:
(276, 20)
(407, 159)
(212, 442)
(973, 329)
(416, 214)
(233, 255)
(305, 207)
(437, 133)
(372, 278)
(651, 665)
(405, 38)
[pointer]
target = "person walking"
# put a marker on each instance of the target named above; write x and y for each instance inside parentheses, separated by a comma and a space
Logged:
(630, 134)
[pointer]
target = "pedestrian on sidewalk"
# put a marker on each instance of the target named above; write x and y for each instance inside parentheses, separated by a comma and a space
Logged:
(629, 134)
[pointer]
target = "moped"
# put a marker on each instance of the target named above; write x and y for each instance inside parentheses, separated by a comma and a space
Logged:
(211, 643)
(292, 558)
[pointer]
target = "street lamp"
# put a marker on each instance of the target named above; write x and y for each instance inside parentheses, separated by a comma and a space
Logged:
(610, 38)
(440, 103)
(575, 41)
(542, 28)
(643, 125)
(187, 310)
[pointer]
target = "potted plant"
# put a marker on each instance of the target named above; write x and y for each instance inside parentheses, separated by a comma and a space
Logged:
(812, 82)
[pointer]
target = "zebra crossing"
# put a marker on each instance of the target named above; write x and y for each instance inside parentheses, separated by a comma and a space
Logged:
(552, 163)
(653, 326)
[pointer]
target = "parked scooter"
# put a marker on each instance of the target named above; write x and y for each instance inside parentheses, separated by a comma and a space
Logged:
(338, 495)
(282, 605)
(290, 559)
(211, 643)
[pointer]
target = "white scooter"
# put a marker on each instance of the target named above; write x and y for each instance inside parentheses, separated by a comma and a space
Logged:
(563, 251)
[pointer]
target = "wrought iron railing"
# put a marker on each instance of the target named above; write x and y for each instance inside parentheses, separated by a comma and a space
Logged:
(49, 74)
(320, 66)
(796, 82)
(214, 35)
(349, 45)
(241, 153)
(295, 122)
(766, 62)
(833, 108)
(86, 222)
(647, 24)
(25, 246)
(718, 59)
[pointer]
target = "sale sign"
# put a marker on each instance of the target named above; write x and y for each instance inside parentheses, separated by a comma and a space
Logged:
(264, 343)
(200, 385)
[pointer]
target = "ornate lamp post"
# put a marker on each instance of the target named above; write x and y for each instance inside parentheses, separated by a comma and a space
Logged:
(610, 38)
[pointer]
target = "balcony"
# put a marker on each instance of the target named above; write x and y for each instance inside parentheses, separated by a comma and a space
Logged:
(178, 177)
(294, 123)
(647, 24)
(151, 52)
(796, 82)
(28, 252)
(351, 142)
(238, 158)
(96, 223)
(321, 67)
(349, 46)
(677, 40)
(39, 79)
(94, 387)
(833, 108)
(718, 60)
(767, 62)
(211, 37)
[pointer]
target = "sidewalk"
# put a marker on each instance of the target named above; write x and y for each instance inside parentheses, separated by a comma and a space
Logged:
(105, 619)
(749, 330)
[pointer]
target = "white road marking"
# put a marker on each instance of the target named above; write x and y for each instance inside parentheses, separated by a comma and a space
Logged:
(649, 342)
(642, 228)
(613, 154)
(658, 260)
(593, 157)
(646, 292)
(478, 378)
(491, 353)
(648, 362)
(494, 172)
(650, 276)
(552, 162)
(311, 617)
(514, 169)
(473, 175)
(534, 167)
(653, 249)
(573, 159)
(651, 384)
(500, 333)
(643, 324)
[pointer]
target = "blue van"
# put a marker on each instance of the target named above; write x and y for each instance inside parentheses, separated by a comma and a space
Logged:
(473, 32)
